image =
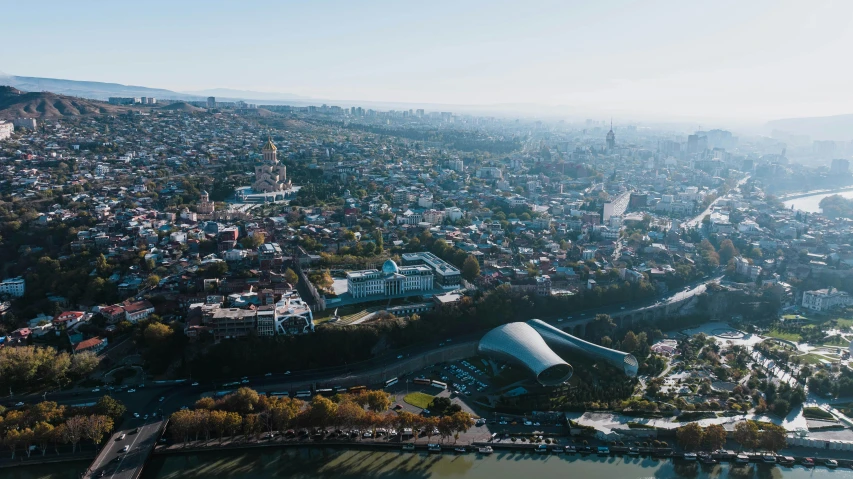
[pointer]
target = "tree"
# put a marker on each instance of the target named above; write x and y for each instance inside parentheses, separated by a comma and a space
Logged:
(727, 251)
(75, 427)
(290, 276)
(322, 411)
(11, 440)
(110, 407)
(205, 403)
(714, 437)
(243, 400)
(217, 423)
(470, 268)
(84, 363)
(689, 436)
(43, 435)
(773, 437)
(746, 434)
(251, 425)
(349, 414)
(96, 427)
(252, 242)
(233, 423)
(157, 334)
(152, 281)
(630, 343)
(378, 401)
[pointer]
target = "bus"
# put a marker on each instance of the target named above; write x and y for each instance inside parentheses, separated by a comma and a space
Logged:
(391, 382)
(356, 389)
(303, 394)
(326, 392)
(439, 384)
(422, 381)
(282, 394)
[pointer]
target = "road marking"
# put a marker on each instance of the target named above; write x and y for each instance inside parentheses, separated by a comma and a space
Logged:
(118, 467)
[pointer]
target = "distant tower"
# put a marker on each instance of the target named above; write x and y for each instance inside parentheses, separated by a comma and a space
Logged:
(205, 206)
(611, 137)
(211, 102)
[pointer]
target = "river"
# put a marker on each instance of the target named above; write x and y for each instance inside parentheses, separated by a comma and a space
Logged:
(304, 463)
(811, 204)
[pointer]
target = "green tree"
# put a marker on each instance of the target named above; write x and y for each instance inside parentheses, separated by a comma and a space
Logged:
(470, 268)
(290, 276)
(112, 408)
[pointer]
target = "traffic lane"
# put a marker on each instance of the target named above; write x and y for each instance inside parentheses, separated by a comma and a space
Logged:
(114, 463)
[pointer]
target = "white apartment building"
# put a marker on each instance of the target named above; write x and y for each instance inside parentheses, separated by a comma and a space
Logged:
(13, 287)
(6, 129)
(825, 299)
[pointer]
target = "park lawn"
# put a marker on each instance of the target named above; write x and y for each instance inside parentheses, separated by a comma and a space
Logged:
(844, 323)
(775, 333)
(812, 358)
(418, 399)
(835, 340)
(817, 413)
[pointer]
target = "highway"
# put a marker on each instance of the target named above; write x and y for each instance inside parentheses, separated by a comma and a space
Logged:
(113, 462)
(146, 400)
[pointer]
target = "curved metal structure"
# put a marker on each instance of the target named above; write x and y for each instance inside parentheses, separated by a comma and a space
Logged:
(521, 344)
(562, 341)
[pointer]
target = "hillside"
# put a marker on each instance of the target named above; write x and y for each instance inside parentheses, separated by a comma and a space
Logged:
(90, 89)
(181, 106)
(17, 104)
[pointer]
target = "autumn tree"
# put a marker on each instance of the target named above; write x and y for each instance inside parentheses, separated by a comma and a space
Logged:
(773, 437)
(689, 436)
(378, 401)
(44, 434)
(714, 437)
(74, 430)
(746, 434)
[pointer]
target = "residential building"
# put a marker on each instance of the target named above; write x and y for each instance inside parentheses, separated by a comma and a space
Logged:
(13, 287)
(138, 310)
(95, 345)
(825, 299)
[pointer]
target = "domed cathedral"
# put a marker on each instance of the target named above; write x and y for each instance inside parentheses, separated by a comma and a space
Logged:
(270, 176)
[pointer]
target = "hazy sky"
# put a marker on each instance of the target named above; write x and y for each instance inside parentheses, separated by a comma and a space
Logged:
(743, 59)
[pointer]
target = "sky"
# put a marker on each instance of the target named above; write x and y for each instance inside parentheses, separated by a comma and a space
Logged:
(743, 60)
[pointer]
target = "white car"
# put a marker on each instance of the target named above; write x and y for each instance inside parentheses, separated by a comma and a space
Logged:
(19, 404)
(145, 416)
(125, 449)
(136, 414)
(162, 398)
(194, 384)
(96, 390)
(121, 437)
(286, 373)
(131, 390)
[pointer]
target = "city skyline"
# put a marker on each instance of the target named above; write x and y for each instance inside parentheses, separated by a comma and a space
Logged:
(754, 62)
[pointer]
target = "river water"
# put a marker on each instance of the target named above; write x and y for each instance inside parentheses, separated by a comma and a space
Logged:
(304, 463)
(811, 204)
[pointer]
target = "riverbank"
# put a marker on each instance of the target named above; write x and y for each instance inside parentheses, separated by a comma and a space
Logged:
(83, 458)
(502, 447)
(317, 462)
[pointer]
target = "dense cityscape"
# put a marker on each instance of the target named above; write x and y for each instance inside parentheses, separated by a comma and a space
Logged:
(515, 252)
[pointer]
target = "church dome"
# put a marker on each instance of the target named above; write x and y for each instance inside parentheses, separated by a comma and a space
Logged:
(270, 146)
(390, 267)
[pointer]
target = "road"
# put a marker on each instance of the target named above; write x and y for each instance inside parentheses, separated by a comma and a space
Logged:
(115, 464)
(695, 222)
(147, 400)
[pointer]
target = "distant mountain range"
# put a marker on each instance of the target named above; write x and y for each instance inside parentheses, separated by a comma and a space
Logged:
(102, 91)
(18, 104)
(838, 127)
